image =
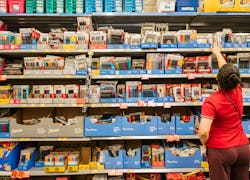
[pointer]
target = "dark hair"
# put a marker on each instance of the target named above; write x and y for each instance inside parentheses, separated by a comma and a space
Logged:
(228, 76)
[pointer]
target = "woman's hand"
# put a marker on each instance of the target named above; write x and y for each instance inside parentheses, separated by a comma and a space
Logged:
(216, 49)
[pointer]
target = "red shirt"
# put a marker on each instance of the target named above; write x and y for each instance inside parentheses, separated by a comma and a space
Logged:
(226, 130)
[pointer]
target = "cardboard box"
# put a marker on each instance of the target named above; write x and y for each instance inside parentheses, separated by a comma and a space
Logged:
(114, 162)
(164, 128)
(184, 128)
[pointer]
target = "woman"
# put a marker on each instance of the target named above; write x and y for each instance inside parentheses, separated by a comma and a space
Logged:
(221, 128)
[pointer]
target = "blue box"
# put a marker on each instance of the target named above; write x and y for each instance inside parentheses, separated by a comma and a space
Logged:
(215, 71)
(227, 45)
(170, 99)
(133, 100)
(204, 45)
(172, 161)
(184, 128)
(147, 163)
(146, 129)
(188, 45)
(147, 99)
(246, 126)
(187, 3)
(141, 71)
(123, 72)
(99, 130)
(246, 99)
(107, 72)
(108, 100)
(165, 128)
(5, 134)
(10, 159)
(132, 162)
(161, 99)
(173, 71)
(28, 46)
(118, 46)
(39, 164)
(240, 45)
(27, 165)
(169, 45)
(158, 71)
(81, 72)
(186, 8)
(135, 46)
(120, 100)
(113, 162)
(149, 45)
(244, 71)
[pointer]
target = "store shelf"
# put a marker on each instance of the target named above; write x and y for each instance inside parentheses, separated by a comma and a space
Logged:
(26, 52)
(38, 105)
(45, 76)
(40, 171)
(167, 105)
(143, 137)
(44, 139)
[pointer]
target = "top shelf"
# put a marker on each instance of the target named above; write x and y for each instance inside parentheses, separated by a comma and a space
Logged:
(203, 22)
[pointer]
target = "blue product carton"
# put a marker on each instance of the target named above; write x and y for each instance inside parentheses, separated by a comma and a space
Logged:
(99, 130)
(167, 46)
(114, 162)
(186, 9)
(4, 128)
(172, 161)
(10, 157)
(39, 164)
(184, 125)
(246, 126)
(81, 72)
(139, 71)
(132, 162)
(139, 129)
(167, 127)
(227, 45)
(149, 45)
(118, 46)
(107, 66)
(28, 46)
(146, 156)
(203, 45)
(187, 5)
(188, 45)
(28, 164)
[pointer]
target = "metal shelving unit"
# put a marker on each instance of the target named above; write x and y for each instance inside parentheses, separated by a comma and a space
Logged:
(45, 76)
(38, 105)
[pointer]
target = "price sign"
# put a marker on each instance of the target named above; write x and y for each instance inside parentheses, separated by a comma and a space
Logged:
(140, 103)
(115, 172)
(145, 77)
(191, 76)
(123, 106)
(3, 77)
(166, 105)
(20, 174)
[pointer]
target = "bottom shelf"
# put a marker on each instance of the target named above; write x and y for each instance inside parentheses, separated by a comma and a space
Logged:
(40, 171)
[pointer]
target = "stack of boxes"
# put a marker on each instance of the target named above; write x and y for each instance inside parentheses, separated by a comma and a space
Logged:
(93, 6)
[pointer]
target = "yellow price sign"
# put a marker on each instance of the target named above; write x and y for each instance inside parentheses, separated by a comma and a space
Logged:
(25, 139)
(62, 139)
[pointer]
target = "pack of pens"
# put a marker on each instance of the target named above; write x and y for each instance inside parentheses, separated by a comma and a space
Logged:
(29, 38)
(107, 65)
(204, 64)
(168, 40)
(123, 65)
(244, 62)
(27, 159)
(97, 40)
(108, 92)
(246, 91)
(117, 39)
(20, 94)
(4, 6)
(4, 128)
(5, 94)
(204, 40)
(139, 66)
(133, 91)
(7, 40)
(149, 92)
(150, 40)
(155, 63)
(187, 38)
(173, 63)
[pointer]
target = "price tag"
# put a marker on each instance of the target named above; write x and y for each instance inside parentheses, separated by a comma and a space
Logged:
(62, 139)
(21, 76)
(115, 172)
(25, 139)
(145, 77)
(90, 53)
(23, 105)
(46, 50)
(127, 137)
(32, 105)
(33, 50)
(151, 103)
(42, 105)
(231, 49)
(140, 103)
(3, 77)
(123, 106)
(167, 105)
(68, 76)
(93, 172)
(172, 138)
(191, 76)
(60, 105)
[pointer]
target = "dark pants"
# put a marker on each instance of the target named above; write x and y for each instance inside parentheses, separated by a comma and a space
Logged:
(229, 163)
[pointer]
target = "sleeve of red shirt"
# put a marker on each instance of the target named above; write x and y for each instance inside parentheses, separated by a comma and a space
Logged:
(208, 109)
